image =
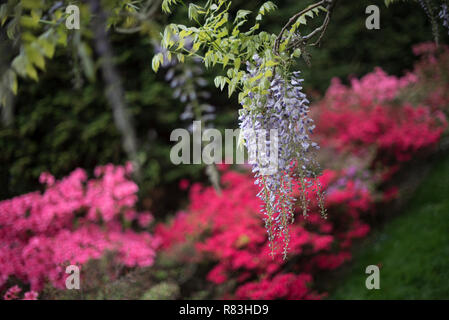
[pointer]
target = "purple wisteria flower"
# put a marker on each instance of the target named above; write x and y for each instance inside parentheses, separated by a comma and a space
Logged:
(188, 84)
(444, 15)
(284, 109)
(425, 8)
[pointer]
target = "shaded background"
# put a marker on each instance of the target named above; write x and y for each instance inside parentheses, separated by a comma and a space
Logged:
(59, 126)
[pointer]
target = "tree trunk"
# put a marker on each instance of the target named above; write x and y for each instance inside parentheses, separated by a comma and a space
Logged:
(114, 90)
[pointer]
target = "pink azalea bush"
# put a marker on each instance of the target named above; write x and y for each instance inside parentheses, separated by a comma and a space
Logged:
(74, 220)
(366, 114)
(227, 229)
(431, 71)
(13, 294)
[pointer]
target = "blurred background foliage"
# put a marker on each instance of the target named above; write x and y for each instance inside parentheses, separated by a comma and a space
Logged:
(63, 121)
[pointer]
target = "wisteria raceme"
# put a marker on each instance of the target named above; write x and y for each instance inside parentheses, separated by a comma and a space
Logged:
(187, 82)
(430, 7)
(423, 4)
(444, 15)
(284, 109)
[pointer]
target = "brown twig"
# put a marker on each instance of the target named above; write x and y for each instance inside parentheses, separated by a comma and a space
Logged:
(321, 29)
(292, 21)
(330, 10)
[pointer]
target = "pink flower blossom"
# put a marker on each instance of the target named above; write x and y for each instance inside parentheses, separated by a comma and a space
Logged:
(73, 221)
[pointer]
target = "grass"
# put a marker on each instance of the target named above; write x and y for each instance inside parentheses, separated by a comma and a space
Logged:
(412, 249)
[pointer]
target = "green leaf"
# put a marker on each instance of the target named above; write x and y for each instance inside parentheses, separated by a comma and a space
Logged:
(180, 57)
(11, 80)
(31, 71)
(241, 14)
(302, 19)
(48, 48)
(32, 4)
(297, 53)
(3, 14)
(35, 56)
(237, 63)
(157, 60)
(231, 89)
(85, 54)
(167, 3)
(221, 22)
(220, 82)
(29, 22)
(193, 11)
(196, 47)
(20, 64)
(225, 60)
(267, 7)
(62, 36)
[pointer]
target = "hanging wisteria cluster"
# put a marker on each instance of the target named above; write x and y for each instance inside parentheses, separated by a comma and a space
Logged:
(271, 96)
(435, 10)
(188, 83)
(444, 15)
(284, 109)
(423, 4)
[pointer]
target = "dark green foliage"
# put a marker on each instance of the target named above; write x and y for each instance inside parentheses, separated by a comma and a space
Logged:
(162, 291)
(57, 128)
(348, 48)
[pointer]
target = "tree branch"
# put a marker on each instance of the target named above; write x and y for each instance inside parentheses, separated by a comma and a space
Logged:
(303, 40)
